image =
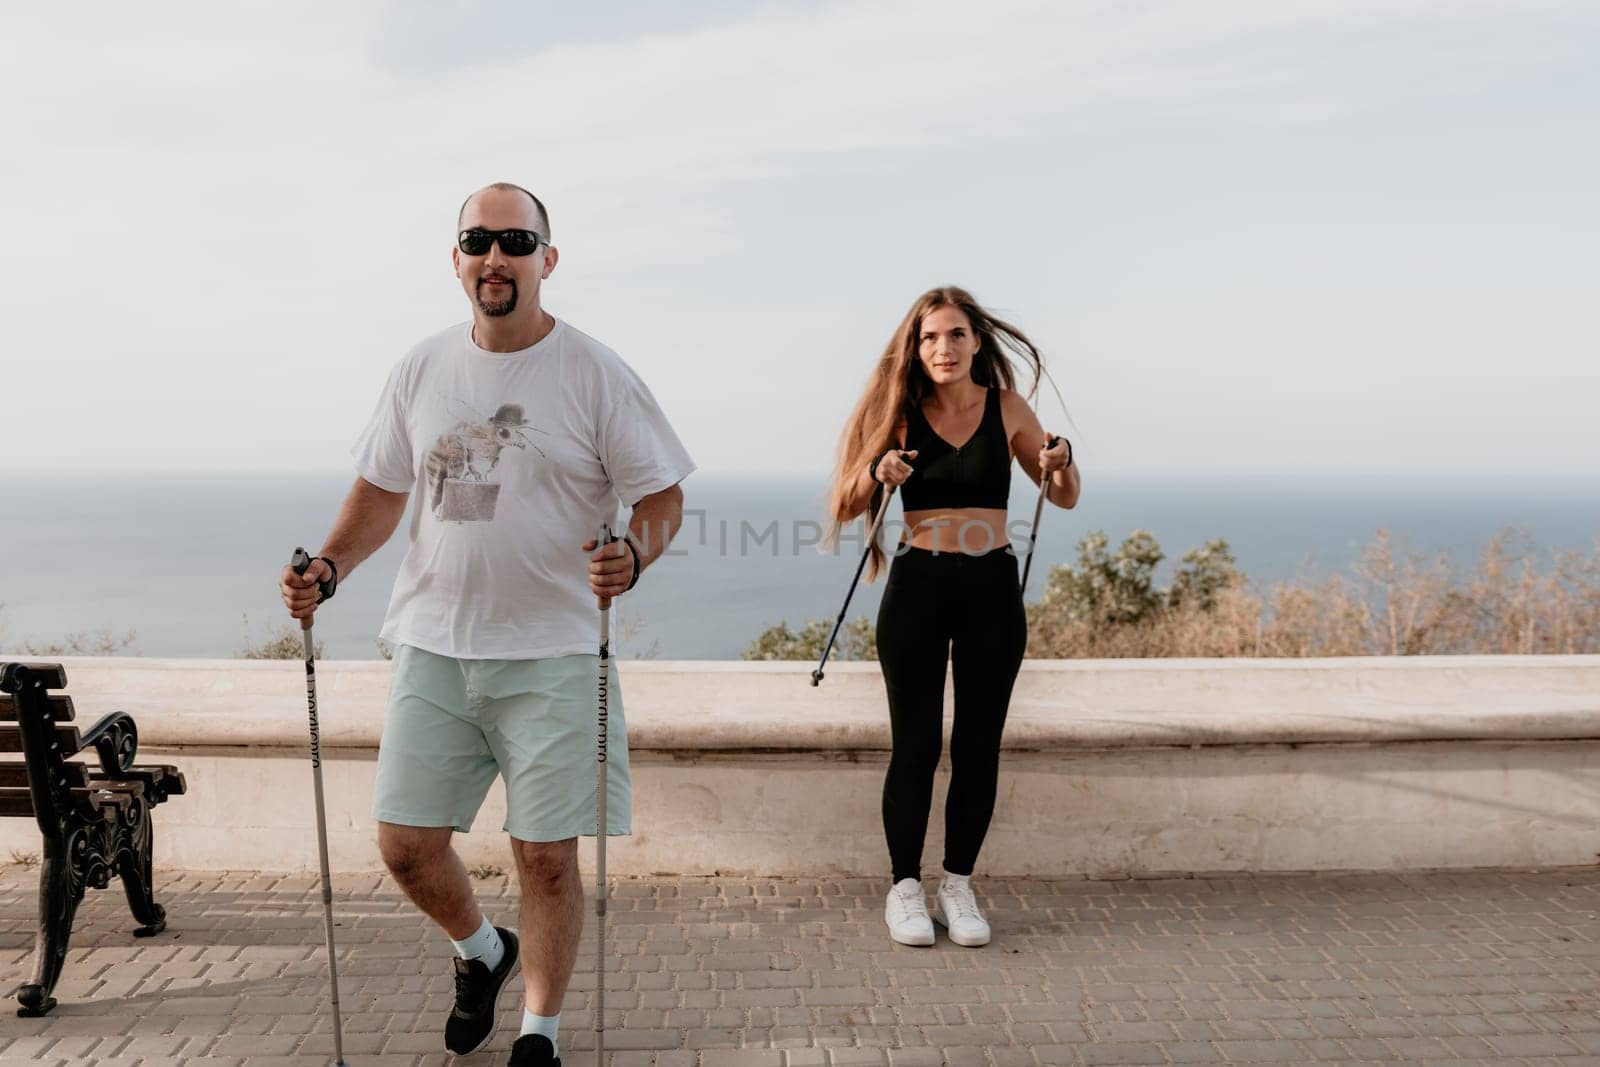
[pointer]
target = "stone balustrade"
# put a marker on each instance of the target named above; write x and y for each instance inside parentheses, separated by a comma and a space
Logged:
(1110, 768)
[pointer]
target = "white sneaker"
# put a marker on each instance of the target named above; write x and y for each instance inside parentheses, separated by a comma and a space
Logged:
(906, 912)
(956, 909)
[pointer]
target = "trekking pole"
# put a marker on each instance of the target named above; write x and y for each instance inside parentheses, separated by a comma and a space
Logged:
(299, 563)
(872, 537)
(1038, 513)
(601, 730)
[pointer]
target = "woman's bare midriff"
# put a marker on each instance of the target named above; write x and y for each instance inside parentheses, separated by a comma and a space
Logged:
(973, 531)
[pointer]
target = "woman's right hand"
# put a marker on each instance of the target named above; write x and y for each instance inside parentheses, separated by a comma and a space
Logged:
(895, 467)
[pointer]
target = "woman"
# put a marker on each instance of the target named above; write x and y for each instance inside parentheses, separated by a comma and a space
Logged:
(941, 418)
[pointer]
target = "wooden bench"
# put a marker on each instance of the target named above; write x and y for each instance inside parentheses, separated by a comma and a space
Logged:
(95, 819)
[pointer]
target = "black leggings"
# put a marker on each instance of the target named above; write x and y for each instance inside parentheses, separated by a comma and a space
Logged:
(966, 610)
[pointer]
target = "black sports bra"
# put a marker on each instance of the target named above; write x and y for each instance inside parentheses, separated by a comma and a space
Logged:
(975, 475)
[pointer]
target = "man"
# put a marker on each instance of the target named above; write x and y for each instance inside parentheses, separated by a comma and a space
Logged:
(522, 435)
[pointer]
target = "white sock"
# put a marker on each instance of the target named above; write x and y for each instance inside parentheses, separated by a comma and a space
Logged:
(484, 945)
(548, 1025)
(956, 879)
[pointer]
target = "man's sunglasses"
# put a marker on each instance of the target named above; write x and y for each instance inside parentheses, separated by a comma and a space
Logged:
(476, 242)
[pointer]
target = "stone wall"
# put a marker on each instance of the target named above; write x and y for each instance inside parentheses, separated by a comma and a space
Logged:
(1111, 767)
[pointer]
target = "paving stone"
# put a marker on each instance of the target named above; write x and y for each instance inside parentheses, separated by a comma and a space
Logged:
(1434, 968)
(1122, 1053)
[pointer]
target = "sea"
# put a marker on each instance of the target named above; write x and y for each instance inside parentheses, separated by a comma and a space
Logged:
(188, 562)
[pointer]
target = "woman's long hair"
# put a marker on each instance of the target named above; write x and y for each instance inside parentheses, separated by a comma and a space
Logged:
(898, 384)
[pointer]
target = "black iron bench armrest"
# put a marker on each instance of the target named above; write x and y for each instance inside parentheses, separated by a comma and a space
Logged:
(116, 739)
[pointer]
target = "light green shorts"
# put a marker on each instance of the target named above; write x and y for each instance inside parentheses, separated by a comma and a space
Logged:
(453, 724)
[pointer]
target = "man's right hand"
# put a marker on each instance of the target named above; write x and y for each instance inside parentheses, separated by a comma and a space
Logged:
(300, 591)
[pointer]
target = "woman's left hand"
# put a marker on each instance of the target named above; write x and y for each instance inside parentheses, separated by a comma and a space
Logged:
(1055, 457)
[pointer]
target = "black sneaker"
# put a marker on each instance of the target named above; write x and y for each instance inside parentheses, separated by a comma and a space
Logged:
(478, 989)
(534, 1050)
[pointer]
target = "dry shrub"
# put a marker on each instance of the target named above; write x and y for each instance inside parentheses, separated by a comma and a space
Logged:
(1324, 619)
(857, 640)
(1395, 601)
(284, 642)
(101, 642)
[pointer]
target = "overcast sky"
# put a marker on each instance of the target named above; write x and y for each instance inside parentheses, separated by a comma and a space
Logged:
(1263, 237)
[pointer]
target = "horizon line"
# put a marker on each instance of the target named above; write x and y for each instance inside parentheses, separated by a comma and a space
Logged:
(1211, 476)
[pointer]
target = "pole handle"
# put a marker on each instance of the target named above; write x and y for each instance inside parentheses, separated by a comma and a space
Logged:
(603, 538)
(300, 562)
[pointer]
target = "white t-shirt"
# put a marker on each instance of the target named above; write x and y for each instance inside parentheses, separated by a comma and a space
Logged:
(517, 458)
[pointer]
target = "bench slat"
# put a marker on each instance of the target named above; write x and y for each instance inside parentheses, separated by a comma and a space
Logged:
(96, 801)
(61, 709)
(127, 789)
(67, 737)
(159, 775)
(16, 774)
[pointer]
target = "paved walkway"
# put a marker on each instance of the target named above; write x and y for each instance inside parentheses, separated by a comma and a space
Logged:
(1492, 968)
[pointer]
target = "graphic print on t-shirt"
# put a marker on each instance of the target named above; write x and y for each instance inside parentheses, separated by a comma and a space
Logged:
(461, 465)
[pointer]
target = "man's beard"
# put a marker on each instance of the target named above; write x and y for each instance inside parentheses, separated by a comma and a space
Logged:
(496, 308)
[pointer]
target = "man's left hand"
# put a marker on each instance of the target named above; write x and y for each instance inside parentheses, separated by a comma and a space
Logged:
(610, 568)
